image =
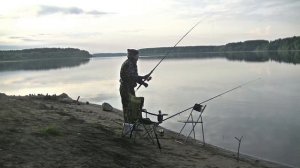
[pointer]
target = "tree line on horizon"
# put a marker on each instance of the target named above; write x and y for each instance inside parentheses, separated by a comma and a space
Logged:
(44, 53)
(286, 44)
(291, 43)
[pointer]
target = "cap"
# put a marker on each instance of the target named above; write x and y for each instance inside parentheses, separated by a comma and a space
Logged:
(132, 53)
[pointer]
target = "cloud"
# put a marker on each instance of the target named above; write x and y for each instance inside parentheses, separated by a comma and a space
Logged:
(240, 9)
(25, 39)
(261, 31)
(96, 13)
(270, 7)
(49, 10)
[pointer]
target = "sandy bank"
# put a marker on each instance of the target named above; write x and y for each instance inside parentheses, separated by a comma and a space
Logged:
(56, 131)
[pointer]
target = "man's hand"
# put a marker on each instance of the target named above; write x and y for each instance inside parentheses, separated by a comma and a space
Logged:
(147, 76)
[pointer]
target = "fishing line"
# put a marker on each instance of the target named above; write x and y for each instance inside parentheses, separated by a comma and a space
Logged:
(230, 90)
(171, 49)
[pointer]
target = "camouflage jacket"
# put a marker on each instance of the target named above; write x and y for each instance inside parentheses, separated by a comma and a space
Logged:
(129, 74)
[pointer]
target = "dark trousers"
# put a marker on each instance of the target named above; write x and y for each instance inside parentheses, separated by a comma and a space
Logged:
(124, 92)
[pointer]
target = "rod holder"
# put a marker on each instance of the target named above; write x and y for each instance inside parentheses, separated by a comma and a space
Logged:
(238, 153)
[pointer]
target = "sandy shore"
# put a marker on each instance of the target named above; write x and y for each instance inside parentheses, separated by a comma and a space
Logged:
(56, 131)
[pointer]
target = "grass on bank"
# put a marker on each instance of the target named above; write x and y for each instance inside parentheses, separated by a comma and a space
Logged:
(50, 131)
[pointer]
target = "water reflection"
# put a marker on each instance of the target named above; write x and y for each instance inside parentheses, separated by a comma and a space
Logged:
(292, 57)
(42, 64)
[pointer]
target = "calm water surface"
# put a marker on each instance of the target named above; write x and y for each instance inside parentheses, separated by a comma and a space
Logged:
(266, 112)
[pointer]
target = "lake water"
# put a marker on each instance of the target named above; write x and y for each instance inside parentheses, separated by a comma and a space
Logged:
(266, 112)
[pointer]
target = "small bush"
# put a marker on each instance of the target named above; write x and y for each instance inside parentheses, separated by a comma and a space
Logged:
(51, 131)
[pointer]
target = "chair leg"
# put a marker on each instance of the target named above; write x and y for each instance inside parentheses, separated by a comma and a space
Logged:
(148, 133)
(156, 137)
(122, 134)
(132, 129)
(158, 143)
(135, 129)
(124, 131)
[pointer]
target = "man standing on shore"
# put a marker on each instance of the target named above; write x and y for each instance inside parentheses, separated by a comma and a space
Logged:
(130, 79)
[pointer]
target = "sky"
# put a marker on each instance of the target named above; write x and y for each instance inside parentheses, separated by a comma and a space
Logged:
(115, 25)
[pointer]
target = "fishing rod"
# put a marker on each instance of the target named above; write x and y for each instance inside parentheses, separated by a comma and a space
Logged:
(239, 86)
(168, 52)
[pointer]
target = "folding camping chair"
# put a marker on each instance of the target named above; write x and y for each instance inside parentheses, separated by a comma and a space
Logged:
(135, 120)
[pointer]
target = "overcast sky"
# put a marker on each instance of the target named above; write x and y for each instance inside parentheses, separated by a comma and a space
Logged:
(115, 25)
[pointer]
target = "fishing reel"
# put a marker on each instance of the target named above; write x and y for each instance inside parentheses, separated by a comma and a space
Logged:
(197, 107)
(149, 78)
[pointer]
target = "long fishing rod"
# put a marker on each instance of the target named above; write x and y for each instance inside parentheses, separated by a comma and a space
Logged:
(214, 97)
(169, 51)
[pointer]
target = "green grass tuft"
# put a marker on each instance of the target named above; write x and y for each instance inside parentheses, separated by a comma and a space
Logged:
(51, 131)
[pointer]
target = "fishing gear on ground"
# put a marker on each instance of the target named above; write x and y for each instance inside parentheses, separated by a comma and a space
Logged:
(199, 105)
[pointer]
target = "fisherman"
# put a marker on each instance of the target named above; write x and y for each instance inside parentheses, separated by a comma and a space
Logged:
(130, 78)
